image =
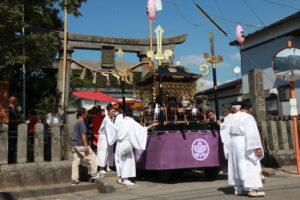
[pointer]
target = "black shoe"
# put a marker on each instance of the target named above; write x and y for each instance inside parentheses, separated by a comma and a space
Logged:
(75, 182)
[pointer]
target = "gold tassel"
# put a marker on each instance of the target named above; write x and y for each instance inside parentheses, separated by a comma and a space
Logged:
(118, 78)
(107, 79)
(82, 75)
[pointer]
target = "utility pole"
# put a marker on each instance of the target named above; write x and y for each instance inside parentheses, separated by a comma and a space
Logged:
(23, 64)
(64, 65)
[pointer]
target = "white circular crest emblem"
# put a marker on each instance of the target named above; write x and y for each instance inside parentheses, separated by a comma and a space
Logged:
(200, 149)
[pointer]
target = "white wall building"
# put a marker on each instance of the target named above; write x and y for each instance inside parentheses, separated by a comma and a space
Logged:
(258, 51)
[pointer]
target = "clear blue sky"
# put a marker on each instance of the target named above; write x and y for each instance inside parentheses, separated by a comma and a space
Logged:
(127, 18)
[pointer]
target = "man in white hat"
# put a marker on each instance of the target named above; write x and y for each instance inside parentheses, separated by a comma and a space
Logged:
(245, 153)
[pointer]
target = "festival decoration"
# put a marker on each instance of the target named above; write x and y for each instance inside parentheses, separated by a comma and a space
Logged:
(160, 55)
(83, 73)
(204, 68)
(151, 9)
(158, 5)
(125, 74)
(240, 34)
(214, 60)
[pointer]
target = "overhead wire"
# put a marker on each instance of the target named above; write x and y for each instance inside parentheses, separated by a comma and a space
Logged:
(254, 13)
(239, 48)
(281, 4)
(228, 36)
(268, 29)
(179, 10)
(183, 16)
(230, 21)
(221, 12)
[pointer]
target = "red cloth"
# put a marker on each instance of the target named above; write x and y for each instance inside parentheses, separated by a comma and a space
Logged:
(32, 121)
(97, 120)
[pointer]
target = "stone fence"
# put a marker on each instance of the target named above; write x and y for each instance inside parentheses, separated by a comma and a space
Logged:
(277, 138)
(278, 141)
(58, 144)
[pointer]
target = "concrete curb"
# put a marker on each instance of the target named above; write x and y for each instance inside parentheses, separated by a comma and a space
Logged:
(104, 185)
(268, 172)
(286, 171)
(45, 191)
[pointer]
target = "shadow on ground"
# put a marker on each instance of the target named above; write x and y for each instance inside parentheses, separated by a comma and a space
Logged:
(227, 190)
(176, 176)
(6, 196)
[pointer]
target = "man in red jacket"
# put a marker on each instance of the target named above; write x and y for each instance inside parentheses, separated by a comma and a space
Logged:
(97, 120)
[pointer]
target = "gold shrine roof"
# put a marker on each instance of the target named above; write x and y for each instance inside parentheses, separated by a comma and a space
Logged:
(170, 74)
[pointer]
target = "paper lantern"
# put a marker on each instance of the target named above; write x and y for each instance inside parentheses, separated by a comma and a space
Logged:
(240, 34)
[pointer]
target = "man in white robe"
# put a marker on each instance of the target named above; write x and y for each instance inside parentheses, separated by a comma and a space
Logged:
(117, 120)
(224, 128)
(105, 154)
(245, 153)
(118, 117)
(130, 135)
(228, 111)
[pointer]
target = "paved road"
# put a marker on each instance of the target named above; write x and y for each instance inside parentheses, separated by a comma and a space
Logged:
(191, 186)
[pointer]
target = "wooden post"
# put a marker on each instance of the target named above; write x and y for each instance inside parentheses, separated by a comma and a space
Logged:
(150, 35)
(63, 86)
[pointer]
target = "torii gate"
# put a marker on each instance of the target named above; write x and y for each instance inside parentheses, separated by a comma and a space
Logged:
(108, 46)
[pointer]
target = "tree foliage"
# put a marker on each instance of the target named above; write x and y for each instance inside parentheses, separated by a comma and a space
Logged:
(39, 47)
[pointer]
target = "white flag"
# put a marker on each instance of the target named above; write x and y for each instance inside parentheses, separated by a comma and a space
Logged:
(158, 5)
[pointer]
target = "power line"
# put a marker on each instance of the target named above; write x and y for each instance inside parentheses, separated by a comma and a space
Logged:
(183, 16)
(220, 10)
(253, 61)
(281, 4)
(249, 57)
(254, 13)
(204, 22)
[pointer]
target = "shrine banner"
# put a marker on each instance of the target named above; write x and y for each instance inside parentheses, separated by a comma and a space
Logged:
(4, 95)
(180, 150)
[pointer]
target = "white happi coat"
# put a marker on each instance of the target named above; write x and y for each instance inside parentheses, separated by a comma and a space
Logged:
(243, 164)
(105, 153)
(129, 131)
(225, 134)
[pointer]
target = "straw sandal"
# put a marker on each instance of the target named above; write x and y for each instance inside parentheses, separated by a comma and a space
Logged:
(256, 193)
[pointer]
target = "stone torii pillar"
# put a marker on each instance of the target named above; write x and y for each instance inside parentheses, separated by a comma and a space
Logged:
(257, 95)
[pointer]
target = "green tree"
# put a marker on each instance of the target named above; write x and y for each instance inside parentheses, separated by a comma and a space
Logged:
(39, 47)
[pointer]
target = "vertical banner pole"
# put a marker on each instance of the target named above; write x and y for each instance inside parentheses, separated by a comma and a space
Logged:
(150, 35)
(64, 60)
(295, 127)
